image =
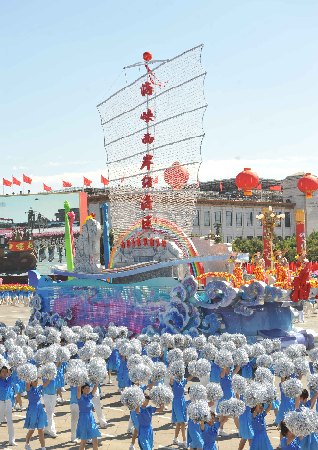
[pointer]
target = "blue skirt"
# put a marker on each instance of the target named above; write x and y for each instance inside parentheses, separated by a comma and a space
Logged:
(113, 361)
(36, 418)
(275, 404)
(261, 441)
(86, 427)
(145, 438)
(179, 410)
(134, 419)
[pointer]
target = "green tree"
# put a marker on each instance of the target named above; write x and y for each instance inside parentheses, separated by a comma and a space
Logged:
(250, 246)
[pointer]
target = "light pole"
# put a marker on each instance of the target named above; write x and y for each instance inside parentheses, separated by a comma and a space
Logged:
(270, 219)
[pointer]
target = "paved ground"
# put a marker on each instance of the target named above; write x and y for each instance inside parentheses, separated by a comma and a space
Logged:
(115, 436)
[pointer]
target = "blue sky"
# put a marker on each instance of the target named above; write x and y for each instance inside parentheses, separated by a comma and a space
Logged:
(60, 59)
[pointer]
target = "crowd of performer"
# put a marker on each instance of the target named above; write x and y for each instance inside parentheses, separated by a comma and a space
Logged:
(208, 381)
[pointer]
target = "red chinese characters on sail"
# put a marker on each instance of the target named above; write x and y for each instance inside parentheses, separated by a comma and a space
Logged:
(146, 202)
(146, 223)
(147, 116)
(146, 89)
(146, 182)
(147, 139)
(146, 161)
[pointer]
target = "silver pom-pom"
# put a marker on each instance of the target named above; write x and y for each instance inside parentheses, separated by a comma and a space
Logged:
(73, 349)
(166, 340)
(154, 350)
(176, 369)
(103, 351)
(62, 355)
(232, 407)
(113, 332)
(132, 397)
(254, 394)
(76, 373)
(301, 423)
(175, 355)
(209, 351)
(190, 354)
(147, 361)
(292, 388)
(33, 344)
(9, 344)
(215, 340)
(264, 375)
(214, 392)
(134, 360)
(48, 371)
(268, 345)
(240, 357)
(278, 355)
(239, 340)
(2, 349)
(27, 372)
(97, 370)
(295, 351)
(28, 351)
(197, 392)
(159, 372)
(229, 346)
(21, 341)
(178, 340)
(313, 382)
(140, 374)
(17, 357)
(87, 351)
(199, 368)
(264, 361)
(199, 342)
(144, 339)
(199, 411)
(239, 384)
(161, 395)
(109, 342)
(53, 336)
(224, 359)
(313, 354)
(301, 366)
(257, 350)
(277, 345)
(270, 393)
(283, 367)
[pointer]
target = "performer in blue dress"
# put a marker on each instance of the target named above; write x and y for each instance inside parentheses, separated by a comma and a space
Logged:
(36, 418)
(309, 442)
(289, 440)
(179, 408)
(6, 392)
(210, 433)
(226, 385)
(86, 425)
(113, 364)
(194, 436)
(145, 431)
(60, 381)
(123, 374)
(260, 440)
(246, 431)
(215, 373)
(18, 388)
(286, 404)
(134, 429)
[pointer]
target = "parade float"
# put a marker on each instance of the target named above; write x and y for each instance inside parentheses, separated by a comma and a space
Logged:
(154, 280)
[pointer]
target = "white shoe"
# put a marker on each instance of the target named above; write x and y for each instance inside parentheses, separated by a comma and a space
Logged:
(130, 430)
(131, 447)
(75, 440)
(183, 445)
(13, 444)
(175, 441)
(103, 423)
(63, 389)
(89, 441)
(27, 447)
(222, 433)
(52, 435)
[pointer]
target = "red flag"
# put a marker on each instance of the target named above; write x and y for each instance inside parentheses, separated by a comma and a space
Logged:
(259, 187)
(104, 180)
(16, 181)
(86, 181)
(46, 188)
(27, 179)
(221, 186)
(67, 184)
(275, 188)
(6, 182)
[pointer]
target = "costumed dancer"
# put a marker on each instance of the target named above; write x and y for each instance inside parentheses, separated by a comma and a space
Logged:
(133, 429)
(179, 409)
(259, 267)
(74, 412)
(86, 425)
(113, 363)
(260, 439)
(60, 382)
(286, 404)
(49, 399)
(145, 431)
(98, 409)
(238, 278)
(210, 432)
(5, 401)
(36, 418)
(226, 385)
(246, 432)
(123, 379)
(309, 442)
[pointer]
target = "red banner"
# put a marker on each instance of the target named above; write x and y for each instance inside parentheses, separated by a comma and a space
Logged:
(21, 246)
(267, 253)
(300, 231)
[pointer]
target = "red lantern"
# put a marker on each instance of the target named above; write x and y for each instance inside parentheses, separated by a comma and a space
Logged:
(247, 180)
(164, 243)
(158, 242)
(128, 243)
(308, 184)
(176, 176)
(145, 241)
(122, 245)
(152, 242)
(133, 242)
(147, 56)
(138, 242)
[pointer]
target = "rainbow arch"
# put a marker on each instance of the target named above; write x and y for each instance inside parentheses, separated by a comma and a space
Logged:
(171, 232)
